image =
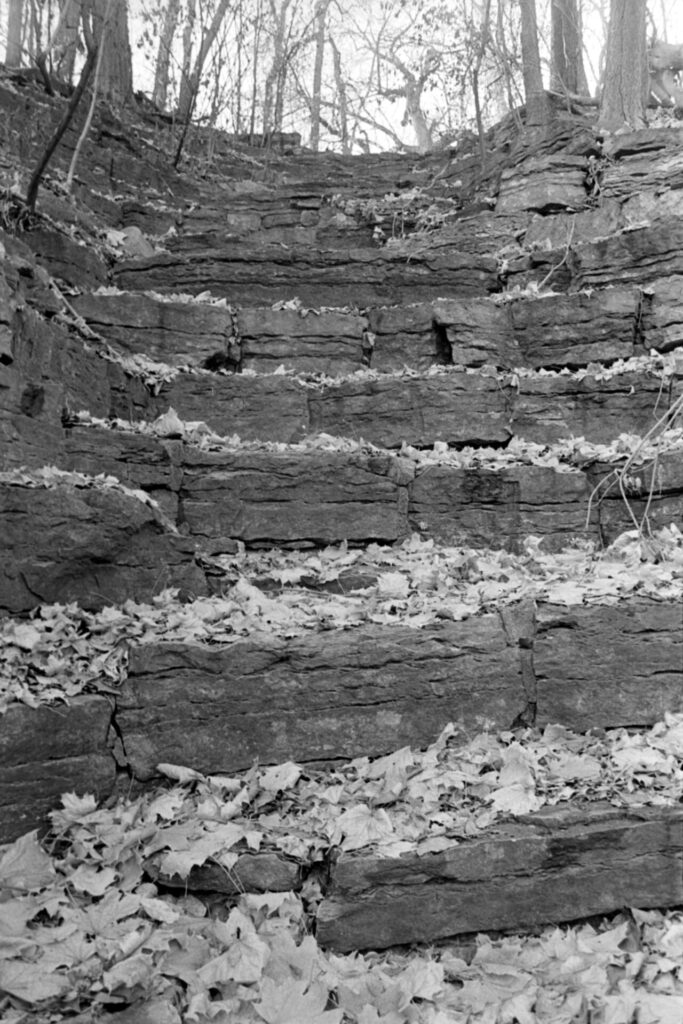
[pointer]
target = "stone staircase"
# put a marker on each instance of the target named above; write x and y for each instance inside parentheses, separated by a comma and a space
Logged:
(374, 352)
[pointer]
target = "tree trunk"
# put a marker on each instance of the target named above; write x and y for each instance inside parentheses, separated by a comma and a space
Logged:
(65, 49)
(116, 75)
(36, 177)
(14, 25)
(161, 71)
(567, 73)
(341, 98)
(624, 96)
(190, 83)
(537, 106)
(321, 14)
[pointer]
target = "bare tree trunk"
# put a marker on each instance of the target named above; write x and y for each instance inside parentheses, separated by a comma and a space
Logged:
(15, 19)
(190, 83)
(476, 71)
(567, 73)
(321, 14)
(188, 31)
(256, 67)
(116, 75)
(64, 57)
(537, 107)
(624, 95)
(36, 177)
(93, 100)
(161, 71)
(341, 98)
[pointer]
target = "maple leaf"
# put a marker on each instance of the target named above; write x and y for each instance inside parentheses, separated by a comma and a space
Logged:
(245, 956)
(25, 865)
(295, 1002)
(360, 826)
(30, 982)
(92, 881)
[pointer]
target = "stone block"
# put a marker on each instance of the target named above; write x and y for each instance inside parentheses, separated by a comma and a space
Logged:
(47, 751)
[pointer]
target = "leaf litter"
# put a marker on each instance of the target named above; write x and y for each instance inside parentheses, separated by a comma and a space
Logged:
(88, 931)
(63, 650)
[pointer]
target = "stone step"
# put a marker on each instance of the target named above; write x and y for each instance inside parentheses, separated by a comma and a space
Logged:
(71, 541)
(260, 275)
(545, 869)
(322, 491)
(453, 406)
(548, 332)
(340, 693)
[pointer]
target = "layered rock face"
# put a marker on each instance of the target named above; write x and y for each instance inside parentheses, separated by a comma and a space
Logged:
(308, 361)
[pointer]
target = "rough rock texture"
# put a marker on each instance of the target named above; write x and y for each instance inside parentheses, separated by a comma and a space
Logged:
(618, 665)
(547, 869)
(458, 408)
(499, 508)
(543, 183)
(479, 331)
(323, 277)
(332, 695)
(136, 460)
(94, 546)
(406, 336)
(454, 406)
(327, 342)
(46, 370)
(662, 314)
(47, 751)
(652, 495)
(294, 498)
(65, 259)
(252, 872)
(639, 255)
(177, 333)
(573, 330)
(270, 407)
(545, 409)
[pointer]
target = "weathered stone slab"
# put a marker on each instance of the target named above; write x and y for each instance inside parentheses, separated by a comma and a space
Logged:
(256, 408)
(46, 372)
(609, 665)
(662, 314)
(295, 498)
(643, 161)
(255, 276)
(136, 460)
(252, 872)
(335, 694)
(64, 258)
(177, 333)
(543, 183)
(572, 330)
(546, 409)
(498, 508)
(636, 255)
(516, 876)
(47, 751)
(479, 331)
(330, 342)
(406, 336)
(652, 495)
(560, 229)
(93, 546)
(456, 408)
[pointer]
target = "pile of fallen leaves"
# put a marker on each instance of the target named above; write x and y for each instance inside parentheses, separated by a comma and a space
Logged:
(63, 650)
(86, 935)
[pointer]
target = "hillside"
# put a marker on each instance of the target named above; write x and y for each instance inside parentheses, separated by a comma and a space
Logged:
(341, 505)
